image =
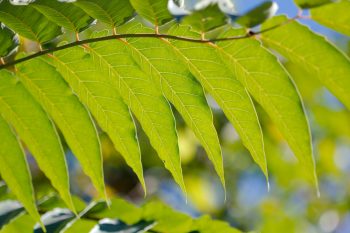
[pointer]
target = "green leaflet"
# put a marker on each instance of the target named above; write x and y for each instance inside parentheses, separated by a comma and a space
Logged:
(155, 11)
(8, 41)
(204, 62)
(269, 84)
(312, 3)
(180, 88)
(120, 209)
(14, 169)
(205, 224)
(80, 225)
(28, 22)
(313, 53)
(258, 15)
(113, 13)
(23, 224)
(65, 14)
(145, 101)
(50, 90)
(335, 16)
(94, 90)
(19, 108)
(206, 19)
(153, 214)
(167, 219)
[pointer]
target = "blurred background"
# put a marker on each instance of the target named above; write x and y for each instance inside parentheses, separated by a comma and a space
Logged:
(291, 204)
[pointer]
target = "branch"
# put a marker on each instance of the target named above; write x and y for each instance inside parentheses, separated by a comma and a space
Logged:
(140, 35)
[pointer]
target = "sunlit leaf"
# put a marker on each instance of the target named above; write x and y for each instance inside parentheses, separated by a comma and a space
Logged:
(138, 91)
(167, 219)
(28, 22)
(81, 225)
(110, 12)
(8, 41)
(335, 16)
(22, 223)
(269, 84)
(49, 88)
(180, 88)
(14, 169)
(155, 11)
(206, 19)
(118, 209)
(64, 14)
(203, 61)
(312, 52)
(205, 224)
(258, 15)
(104, 103)
(312, 3)
(31, 123)
(92, 88)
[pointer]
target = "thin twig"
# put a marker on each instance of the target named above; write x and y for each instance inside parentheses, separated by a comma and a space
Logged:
(141, 35)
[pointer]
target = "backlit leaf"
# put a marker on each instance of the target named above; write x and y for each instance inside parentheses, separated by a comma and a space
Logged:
(49, 88)
(155, 11)
(312, 3)
(206, 19)
(31, 123)
(146, 102)
(204, 62)
(180, 88)
(94, 90)
(335, 16)
(314, 53)
(258, 15)
(28, 22)
(266, 80)
(64, 14)
(113, 13)
(14, 169)
(8, 41)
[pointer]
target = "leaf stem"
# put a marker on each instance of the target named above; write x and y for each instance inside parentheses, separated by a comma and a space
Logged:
(141, 35)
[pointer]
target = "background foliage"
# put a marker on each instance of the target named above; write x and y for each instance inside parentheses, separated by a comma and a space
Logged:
(245, 87)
